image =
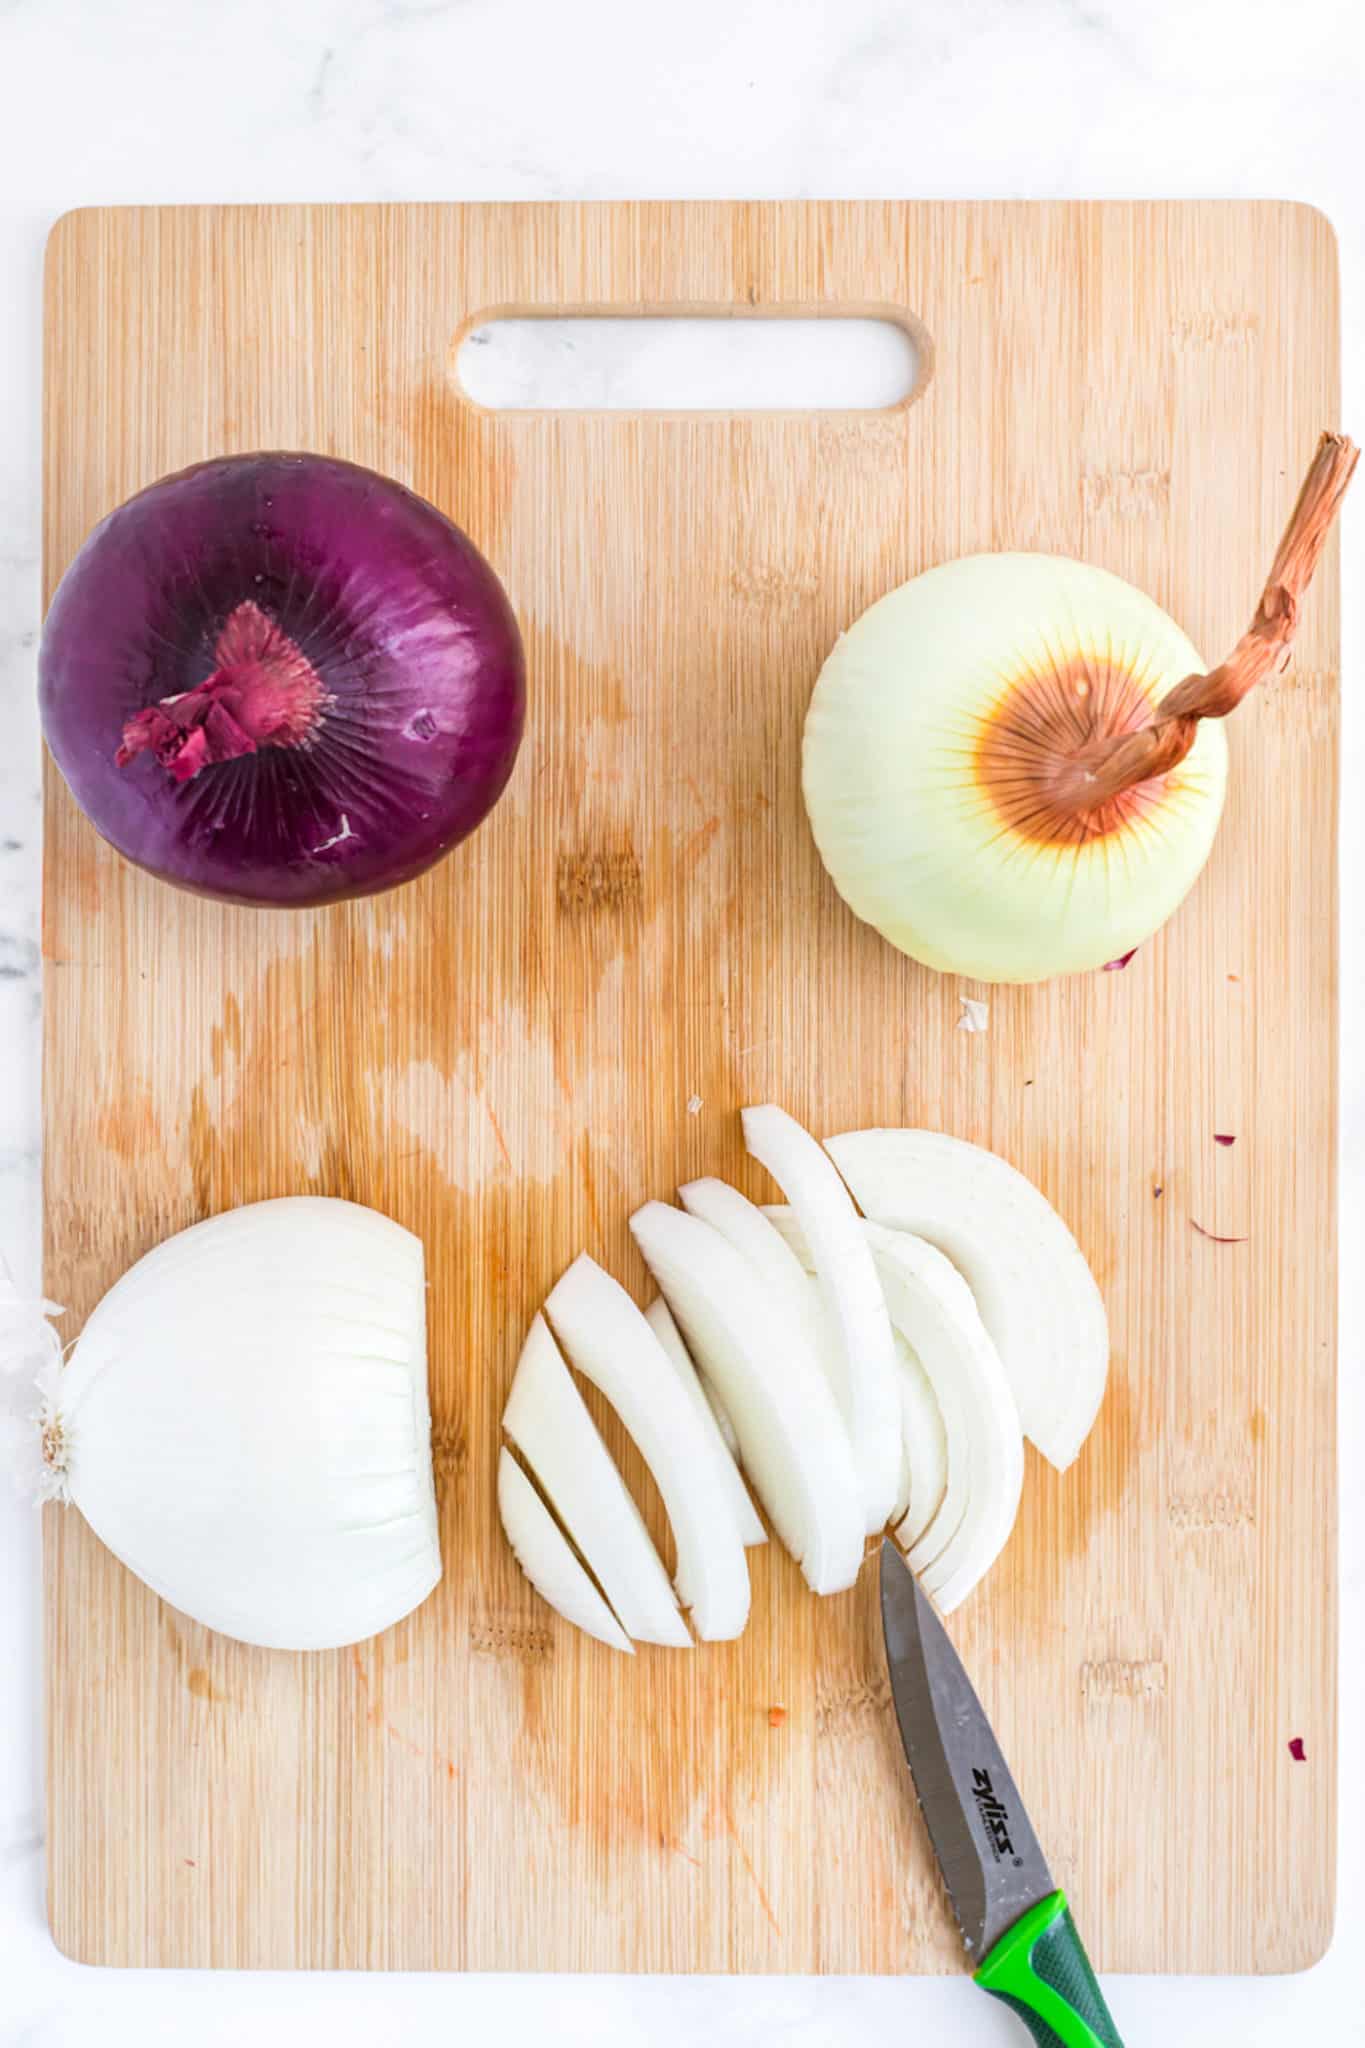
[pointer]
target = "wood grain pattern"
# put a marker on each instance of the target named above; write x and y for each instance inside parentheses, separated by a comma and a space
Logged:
(501, 1055)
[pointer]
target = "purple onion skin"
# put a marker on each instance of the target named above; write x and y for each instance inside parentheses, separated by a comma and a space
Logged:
(403, 622)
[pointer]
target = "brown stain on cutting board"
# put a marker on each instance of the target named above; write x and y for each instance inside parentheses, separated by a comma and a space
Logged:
(500, 1056)
(591, 880)
(1100, 1481)
(129, 1125)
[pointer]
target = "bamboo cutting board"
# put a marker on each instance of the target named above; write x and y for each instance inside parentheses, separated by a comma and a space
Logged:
(502, 1057)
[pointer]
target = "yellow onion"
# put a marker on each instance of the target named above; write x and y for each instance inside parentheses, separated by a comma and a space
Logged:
(1012, 764)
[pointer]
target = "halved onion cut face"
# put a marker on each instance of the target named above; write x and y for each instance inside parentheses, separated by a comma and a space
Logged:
(547, 1559)
(792, 1440)
(853, 1297)
(548, 1420)
(660, 1320)
(932, 1307)
(608, 1340)
(1036, 1294)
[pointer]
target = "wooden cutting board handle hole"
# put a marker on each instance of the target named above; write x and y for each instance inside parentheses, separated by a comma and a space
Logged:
(722, 359)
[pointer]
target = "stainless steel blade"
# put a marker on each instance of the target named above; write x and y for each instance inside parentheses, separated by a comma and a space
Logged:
(985, 1844)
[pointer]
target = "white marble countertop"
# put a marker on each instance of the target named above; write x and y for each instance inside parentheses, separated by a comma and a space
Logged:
(170, 100)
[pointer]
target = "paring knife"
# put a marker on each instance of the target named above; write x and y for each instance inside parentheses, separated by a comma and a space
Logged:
(1010, 1912)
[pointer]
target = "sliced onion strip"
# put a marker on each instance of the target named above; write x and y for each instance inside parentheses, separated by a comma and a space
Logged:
(932, 1307)
(854, 1300)
(660, 1320)
(547, 1419)
(1036, 1293)
(608, 1340)
(792, 1440)
(547, 1560)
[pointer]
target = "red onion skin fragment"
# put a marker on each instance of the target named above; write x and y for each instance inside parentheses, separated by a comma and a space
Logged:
(1214, 1236)
(263, 692)
(1224, 1138)
(1296, 1749)
(1117, 966)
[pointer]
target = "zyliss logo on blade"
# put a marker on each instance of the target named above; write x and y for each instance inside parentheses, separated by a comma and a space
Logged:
(994, 1817)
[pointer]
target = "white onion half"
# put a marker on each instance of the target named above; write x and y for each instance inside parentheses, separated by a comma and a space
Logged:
(547, 1419)
(610, 1343)
(1036, 1294)
(795, 1449)
(853, 1299)
(547, 1560)
(710, 1407)
(244, 1422)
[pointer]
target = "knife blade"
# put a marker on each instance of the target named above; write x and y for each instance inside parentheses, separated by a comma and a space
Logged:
(1014, 1921)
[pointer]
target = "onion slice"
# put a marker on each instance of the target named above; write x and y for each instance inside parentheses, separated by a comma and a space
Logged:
(547, 1560)
(782, 1260)
(779, 1266)
(660, 1320)
(607, 1338)
(728, 1433)
(1036, 1294)
(853, 1297)
(751, 1234)
(962, 1439)
(932, 1307)
(547, 1419)
(794, 1446)
(924, 1443)
(924, 1446)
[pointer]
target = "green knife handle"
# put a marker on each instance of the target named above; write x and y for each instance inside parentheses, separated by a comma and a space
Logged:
(1041, 1969)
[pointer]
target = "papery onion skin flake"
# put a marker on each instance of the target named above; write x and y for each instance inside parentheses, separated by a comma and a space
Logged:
(282, 679)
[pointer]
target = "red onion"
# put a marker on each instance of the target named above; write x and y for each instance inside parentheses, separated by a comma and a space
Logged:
(282, 679)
